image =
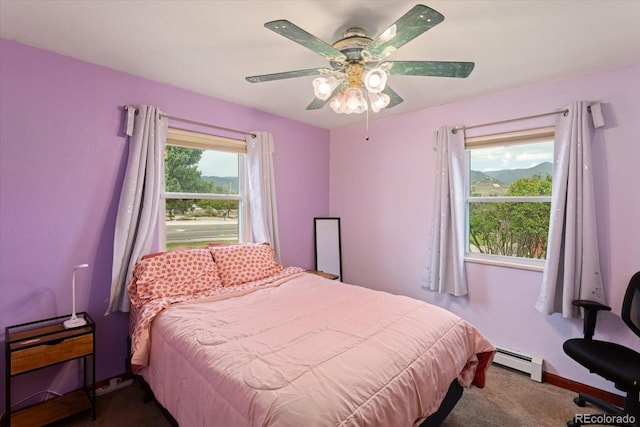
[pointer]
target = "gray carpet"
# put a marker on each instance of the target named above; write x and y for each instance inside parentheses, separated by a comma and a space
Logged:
(510, 399)
(513, 399)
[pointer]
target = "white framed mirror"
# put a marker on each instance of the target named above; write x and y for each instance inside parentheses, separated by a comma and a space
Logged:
(326, 233)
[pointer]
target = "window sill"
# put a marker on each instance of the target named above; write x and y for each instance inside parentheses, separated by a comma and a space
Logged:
(509, 262)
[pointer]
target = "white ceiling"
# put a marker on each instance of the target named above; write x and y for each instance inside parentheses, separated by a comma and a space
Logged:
(209, 47)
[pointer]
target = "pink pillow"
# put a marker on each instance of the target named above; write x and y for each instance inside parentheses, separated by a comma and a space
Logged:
(181, 272)
(245, 262)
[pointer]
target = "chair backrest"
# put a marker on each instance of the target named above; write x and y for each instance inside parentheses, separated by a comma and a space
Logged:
(631, 305)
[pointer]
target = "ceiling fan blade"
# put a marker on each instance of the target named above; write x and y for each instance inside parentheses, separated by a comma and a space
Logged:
(413, 23)
(395, 99)
(429, 68)
(318, 103)
(288, 75)
(300, 36)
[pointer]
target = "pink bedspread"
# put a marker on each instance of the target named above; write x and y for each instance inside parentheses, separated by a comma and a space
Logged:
(307, 351)
(140, 318)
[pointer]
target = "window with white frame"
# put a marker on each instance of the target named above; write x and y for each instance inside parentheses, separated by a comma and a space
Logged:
(508, 193)
(204, 198)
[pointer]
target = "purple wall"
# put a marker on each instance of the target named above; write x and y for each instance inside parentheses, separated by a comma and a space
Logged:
(386, 211)
(62, 158)
(62, 155)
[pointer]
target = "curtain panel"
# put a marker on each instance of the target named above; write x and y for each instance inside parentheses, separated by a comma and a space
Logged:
(143, 184)
(445, 271)
(572, 267)
(139, 198)
(262, 190)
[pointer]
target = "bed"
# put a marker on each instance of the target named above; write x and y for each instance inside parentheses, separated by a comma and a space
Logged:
(225, 336)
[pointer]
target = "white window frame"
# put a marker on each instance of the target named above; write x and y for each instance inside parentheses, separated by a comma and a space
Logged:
(501, 139)
(189, 139)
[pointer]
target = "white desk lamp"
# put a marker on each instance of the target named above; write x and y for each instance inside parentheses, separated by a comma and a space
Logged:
(75, 321)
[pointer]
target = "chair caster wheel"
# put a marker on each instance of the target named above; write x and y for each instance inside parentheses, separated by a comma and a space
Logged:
(579, 401)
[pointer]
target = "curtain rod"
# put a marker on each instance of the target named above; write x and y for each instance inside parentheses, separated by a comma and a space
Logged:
(193, 122)
(456, 129)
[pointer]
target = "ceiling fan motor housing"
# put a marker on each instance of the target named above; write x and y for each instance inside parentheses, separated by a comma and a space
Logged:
(354, 40)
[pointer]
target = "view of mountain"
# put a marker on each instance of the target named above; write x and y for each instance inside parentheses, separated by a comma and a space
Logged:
(229, 183)
(496, 183)
(496, 180)
(510, 175)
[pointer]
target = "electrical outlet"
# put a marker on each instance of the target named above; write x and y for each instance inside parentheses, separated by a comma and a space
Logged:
(114, 384)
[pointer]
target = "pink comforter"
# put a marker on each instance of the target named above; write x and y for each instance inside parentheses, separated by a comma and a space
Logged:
(140, 318)
(307, 351)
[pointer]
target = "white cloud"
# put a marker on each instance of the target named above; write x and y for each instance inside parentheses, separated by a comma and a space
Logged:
(216, 163)
(511, 157)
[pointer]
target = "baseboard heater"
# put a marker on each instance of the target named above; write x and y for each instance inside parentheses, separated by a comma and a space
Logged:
(513, 359)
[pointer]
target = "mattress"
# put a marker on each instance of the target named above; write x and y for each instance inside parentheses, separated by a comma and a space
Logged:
(306, 351)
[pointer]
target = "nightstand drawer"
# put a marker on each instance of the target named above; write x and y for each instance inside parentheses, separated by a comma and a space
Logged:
(50, 353)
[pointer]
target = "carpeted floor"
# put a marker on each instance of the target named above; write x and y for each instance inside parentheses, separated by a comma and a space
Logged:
(513, 399)
(510, 399)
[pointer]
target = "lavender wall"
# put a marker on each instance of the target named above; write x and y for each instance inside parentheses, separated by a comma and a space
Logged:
(383, 190)
(62, 157)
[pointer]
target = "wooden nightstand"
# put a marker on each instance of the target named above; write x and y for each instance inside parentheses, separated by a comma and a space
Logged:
(35, 345)
(329, 276)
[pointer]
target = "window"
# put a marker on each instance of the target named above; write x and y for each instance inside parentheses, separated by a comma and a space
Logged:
(204, 194)
(509, 196)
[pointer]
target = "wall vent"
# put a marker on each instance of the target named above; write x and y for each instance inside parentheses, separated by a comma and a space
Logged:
(514, 359)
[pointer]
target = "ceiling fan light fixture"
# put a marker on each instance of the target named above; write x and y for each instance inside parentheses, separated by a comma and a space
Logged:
(375, 80)
(349, 101)
(355, 101)
(337, 102)
(323, 87)
(378, 101)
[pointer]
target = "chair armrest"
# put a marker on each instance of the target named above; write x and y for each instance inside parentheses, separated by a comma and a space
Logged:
(590, 305)
(591, 309)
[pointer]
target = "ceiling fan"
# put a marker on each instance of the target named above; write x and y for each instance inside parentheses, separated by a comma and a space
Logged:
(358, 63)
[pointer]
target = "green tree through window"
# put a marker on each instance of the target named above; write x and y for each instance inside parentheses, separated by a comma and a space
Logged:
(202, 199)
(181, 175)
(509, 180)
(513, 228)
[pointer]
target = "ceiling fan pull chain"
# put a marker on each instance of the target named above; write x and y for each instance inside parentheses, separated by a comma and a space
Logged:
(366, 137)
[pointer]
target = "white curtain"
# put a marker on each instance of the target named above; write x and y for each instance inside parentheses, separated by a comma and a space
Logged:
(139, 198)
(445, 271)
(262, 190)
(572, 268)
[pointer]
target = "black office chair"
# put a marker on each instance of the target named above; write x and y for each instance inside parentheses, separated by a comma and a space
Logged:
(611, 361)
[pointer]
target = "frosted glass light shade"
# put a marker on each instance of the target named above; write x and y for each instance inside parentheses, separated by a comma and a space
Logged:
(324, 86)
(378, 101)
(349, 101)
(375, 80)
(355, 101)
(337, 102)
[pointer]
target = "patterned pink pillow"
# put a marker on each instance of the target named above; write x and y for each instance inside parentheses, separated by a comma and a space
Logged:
(244, 262)
(181, 272)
